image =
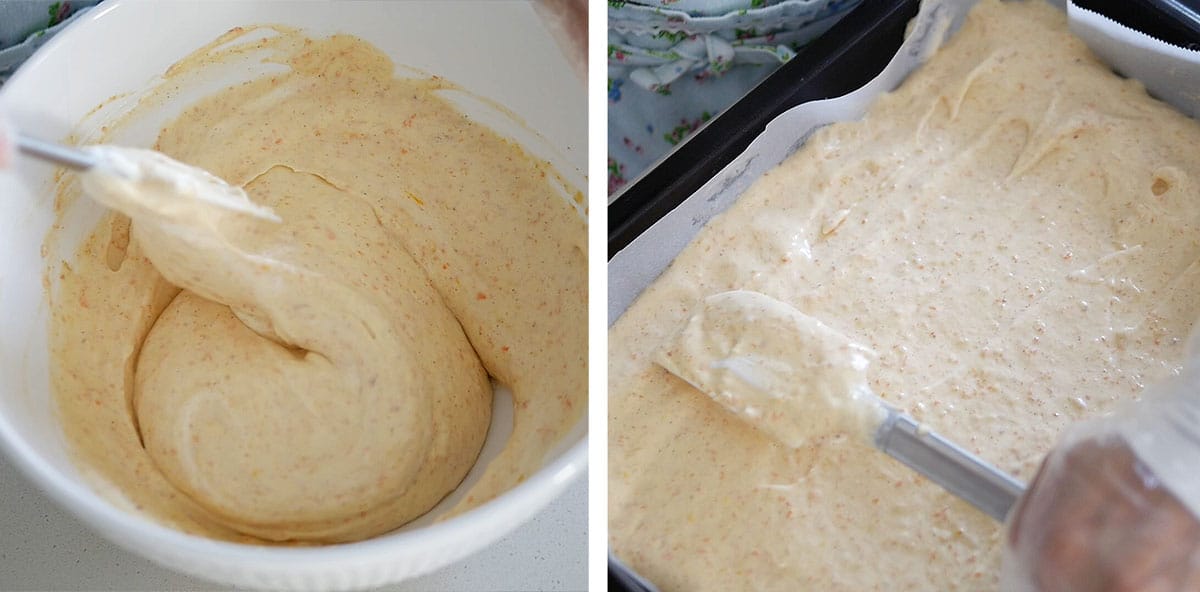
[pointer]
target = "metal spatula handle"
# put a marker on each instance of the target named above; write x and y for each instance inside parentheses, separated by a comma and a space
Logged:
(945, 463)
(56, 153)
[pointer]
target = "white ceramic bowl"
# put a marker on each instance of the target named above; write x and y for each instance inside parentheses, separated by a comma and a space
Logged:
(498, 50)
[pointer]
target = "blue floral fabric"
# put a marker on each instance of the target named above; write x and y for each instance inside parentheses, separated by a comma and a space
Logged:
(26, 24)
(675, 64)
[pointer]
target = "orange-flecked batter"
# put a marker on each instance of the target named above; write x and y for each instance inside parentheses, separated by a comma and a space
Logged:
(323, 377)
(1015, 231)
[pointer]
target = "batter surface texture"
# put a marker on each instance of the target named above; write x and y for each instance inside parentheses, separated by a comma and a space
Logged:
(313, 367)
(1013, 232)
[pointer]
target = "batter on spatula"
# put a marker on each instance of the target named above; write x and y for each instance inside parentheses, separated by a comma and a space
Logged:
(778, 369)
(797, 381)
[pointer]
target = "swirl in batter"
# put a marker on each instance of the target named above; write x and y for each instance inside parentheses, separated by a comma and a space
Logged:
(308, 360)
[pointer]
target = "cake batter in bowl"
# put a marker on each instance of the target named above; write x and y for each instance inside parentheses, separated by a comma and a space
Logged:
(189, 495)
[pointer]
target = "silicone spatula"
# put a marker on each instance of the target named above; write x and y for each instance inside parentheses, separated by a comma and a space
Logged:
(796, 379)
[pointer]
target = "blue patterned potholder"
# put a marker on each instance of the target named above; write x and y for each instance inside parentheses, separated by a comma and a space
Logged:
(26, 24)
(674, 64)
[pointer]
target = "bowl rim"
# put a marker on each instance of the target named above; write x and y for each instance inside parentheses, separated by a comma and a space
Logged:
(105, 517)
(94, 509)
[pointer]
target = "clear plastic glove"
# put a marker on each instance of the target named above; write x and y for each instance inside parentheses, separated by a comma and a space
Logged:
(1116, 506)
(6, 143)
(568, 23)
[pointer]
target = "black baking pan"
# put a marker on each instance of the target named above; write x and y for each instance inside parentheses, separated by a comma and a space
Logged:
(1174, 21)
(845, 58)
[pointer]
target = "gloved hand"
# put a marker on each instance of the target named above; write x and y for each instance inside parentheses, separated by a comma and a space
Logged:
(568, 23)
(6, 143)
(1116, 506)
